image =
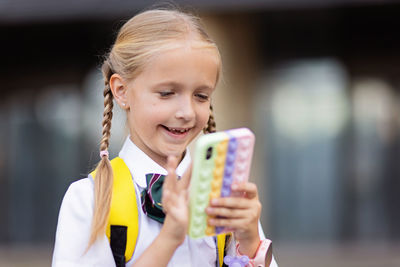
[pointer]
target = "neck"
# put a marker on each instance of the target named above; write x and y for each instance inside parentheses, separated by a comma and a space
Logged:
(159, 159)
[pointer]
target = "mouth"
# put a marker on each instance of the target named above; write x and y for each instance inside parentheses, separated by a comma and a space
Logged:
(176, 130)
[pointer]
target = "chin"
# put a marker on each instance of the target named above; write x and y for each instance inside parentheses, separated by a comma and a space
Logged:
(175, 151)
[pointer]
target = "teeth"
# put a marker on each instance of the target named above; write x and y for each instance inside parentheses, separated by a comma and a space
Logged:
(177, 130)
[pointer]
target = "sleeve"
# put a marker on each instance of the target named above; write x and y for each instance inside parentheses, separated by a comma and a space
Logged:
(231, 249)
(73, 230)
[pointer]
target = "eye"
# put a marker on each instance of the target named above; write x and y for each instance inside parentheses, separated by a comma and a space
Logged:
(165, 93)
(202, 97)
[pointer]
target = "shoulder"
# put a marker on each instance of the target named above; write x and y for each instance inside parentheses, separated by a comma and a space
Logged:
(84, 185)
(81, 187)
(74, 227)
(82, 190)
(77, 204)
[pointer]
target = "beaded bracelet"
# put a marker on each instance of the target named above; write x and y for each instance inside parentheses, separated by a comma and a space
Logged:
(263, 255)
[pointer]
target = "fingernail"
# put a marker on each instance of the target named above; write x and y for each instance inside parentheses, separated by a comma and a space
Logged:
(214, 201)
(235, 187)
(209, 210)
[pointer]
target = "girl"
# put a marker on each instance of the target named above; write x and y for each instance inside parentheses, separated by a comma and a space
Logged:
(162, 70)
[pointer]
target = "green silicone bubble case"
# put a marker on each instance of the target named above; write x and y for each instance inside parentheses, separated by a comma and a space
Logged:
(220, 159)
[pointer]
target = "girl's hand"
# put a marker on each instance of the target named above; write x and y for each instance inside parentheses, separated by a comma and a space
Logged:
(175, 205)
(175, 199)
(240, 213)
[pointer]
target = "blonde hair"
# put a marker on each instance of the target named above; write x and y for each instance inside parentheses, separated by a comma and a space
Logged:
(139, 39)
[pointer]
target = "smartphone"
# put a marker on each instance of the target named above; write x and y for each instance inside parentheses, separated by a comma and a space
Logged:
(220, 159)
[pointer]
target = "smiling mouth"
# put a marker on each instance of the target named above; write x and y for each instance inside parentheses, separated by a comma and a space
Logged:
(176, 130)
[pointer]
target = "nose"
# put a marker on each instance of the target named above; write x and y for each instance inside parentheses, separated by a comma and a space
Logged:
(185, 110)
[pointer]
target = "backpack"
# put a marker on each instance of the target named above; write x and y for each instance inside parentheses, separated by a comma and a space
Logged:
(123, 222)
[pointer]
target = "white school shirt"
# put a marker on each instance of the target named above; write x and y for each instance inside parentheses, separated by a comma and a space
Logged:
(76, 212)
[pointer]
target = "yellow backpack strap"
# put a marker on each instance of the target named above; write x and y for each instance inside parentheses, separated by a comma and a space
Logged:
(123, 210)
(221, 248)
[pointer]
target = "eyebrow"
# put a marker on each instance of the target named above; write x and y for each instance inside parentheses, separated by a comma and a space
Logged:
(179, 85)
(167, 83)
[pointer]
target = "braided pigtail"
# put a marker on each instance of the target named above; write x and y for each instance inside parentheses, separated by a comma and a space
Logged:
(211, 125)
(104, 176)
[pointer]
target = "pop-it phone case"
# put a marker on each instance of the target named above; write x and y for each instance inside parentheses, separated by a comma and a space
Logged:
(220, 159)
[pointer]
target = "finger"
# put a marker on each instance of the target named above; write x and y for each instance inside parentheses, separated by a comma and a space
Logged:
(170, 179)
(231, 202)
(172, 164)
(250, 189)
(228, 222)
(169, 200)
(165, 200)
(185, 180)
(225, 212)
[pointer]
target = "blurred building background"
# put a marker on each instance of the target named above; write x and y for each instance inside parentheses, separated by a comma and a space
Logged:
(317, 80)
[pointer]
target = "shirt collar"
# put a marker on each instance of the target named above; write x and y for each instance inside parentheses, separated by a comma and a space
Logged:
(140, 164)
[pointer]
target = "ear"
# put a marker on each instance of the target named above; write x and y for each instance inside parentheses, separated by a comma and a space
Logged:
(119, 90)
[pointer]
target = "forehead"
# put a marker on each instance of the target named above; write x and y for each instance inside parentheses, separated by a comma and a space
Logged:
(186, 64)
(184, 46)
(191, 51)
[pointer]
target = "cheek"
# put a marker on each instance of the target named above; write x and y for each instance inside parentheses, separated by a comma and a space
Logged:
(204, 115)
(157, 114)
(144, 116)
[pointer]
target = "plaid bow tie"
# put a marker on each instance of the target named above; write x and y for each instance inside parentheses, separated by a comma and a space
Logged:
(151, 197)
